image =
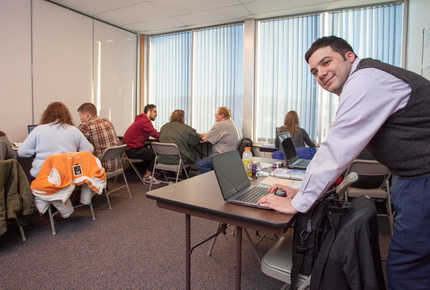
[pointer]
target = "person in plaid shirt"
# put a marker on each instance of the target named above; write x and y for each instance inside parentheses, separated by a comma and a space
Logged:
(100, 133)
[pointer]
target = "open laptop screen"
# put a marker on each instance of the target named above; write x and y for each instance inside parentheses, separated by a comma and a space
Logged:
(30, 128)
(230, 172)
(289, 150)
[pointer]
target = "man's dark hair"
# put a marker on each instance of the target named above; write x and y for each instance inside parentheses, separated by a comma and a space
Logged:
(149, 108)
(336, 43)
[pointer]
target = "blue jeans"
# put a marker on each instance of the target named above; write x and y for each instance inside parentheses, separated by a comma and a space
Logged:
(408, 264)
(205, 165)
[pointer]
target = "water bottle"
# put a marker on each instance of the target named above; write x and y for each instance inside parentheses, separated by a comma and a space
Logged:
(247, 160)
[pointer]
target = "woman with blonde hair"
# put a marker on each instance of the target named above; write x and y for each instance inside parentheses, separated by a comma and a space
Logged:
(299, 135)
(54, 135)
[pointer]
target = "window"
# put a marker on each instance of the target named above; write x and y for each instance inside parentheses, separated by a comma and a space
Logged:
(283, 80)
(217, 74)
(197, 72)
(200, 70)
(170, 74)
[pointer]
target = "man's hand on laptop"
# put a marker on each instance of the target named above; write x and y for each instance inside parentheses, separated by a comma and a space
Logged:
(280, 203)
(289, 191)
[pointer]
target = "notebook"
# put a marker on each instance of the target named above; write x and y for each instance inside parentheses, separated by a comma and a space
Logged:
(233, 181)
(290, 153)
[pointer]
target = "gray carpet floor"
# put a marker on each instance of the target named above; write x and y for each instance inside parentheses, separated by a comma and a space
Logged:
(136, 245)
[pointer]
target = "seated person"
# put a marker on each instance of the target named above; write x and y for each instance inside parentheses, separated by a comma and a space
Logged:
(100, 132)
(299, 135)
(185, 137)
(6, 150)
(56, 134)
(224, 136)
(136, 136)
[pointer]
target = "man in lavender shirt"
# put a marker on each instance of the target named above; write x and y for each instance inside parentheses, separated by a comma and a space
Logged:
(385, 109)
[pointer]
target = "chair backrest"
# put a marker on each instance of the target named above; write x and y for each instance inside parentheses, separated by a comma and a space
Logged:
(115, 152)
(347, 181)
(371, 174)
(368, 167)
(165, 148)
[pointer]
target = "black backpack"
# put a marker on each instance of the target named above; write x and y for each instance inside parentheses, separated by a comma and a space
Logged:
(311, 229)
(245, 142)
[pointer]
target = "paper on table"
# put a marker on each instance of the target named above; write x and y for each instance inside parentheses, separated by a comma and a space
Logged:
(269, 181)
(264, 165)
(289, 173)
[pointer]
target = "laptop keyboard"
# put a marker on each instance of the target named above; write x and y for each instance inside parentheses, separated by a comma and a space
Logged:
(302, 162)
(253, 195)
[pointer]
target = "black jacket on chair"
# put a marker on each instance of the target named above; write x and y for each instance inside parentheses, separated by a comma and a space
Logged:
(354, 260)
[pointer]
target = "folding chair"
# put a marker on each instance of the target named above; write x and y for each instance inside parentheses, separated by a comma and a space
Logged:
(52, 214)
(170, 149)
(346, 183)
(131, 161)
(115, 153)
(376, 191)
(78, 169)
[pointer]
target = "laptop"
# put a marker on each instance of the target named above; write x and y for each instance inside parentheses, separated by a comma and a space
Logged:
(30, 128)
(233, 181)
(290, 153)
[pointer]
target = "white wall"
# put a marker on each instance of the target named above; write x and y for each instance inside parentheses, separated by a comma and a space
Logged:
(62, 58)
(15, 68)
(49, 54)
(115, 65)
(419, 17)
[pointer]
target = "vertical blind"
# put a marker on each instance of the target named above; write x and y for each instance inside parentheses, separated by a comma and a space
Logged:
(372, 32)
(200, 70)
(217, 74)
(198, 82)
(169, 75)
(283, 80)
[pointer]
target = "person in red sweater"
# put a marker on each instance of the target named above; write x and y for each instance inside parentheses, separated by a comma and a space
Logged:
(136, 136)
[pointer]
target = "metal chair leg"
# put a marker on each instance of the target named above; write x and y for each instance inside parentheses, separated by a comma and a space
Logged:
(51, 219)
(92, 211)
(21, 229)
(220, 230)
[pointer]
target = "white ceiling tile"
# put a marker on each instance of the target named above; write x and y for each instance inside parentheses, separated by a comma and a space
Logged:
(133, 14)
(97, 6)
(263, 6)
(156, 16)
(179, 7)
(215, 15)
(159, 25)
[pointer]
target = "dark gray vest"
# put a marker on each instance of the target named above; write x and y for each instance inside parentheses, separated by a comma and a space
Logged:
(403, 141)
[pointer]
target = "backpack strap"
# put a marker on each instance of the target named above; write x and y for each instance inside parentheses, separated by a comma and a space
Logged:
(301, 249)
(298, 258)
(334, 214)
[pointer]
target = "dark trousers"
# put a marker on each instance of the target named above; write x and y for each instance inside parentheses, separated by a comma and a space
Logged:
(408, 265)
(145, 153)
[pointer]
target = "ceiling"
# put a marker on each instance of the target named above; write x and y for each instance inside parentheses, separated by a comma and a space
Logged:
(161, 16)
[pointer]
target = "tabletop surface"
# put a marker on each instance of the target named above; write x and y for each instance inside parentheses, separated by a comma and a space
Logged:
(202, 194)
